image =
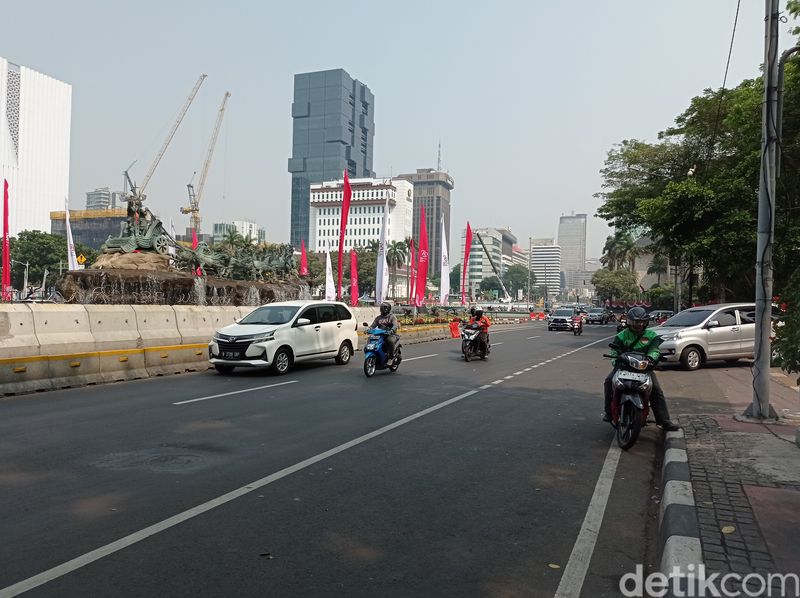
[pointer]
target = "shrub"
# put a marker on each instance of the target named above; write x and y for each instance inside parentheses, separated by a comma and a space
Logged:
(787, 343)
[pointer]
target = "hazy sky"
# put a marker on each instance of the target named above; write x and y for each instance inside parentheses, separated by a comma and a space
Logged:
(526, 96)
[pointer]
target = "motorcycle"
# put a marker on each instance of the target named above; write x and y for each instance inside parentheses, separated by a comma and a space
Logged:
(577, 325)
(375, 357)
(631, 386)
(471, 343)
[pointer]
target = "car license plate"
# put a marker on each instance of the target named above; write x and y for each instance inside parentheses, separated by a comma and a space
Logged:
(638, 376)
(231, 355)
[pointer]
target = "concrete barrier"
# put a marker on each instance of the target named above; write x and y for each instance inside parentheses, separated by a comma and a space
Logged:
(118, 342)
(161, 340)
(65, 336)
(21, 368)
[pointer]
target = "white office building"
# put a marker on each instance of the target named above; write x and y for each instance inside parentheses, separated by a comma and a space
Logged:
(245, 228)
(366, 212)
(104, 198)
(499, 246)
(35, 120)
(546, 266)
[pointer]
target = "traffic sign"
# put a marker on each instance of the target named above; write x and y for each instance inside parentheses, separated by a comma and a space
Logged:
(81, 259)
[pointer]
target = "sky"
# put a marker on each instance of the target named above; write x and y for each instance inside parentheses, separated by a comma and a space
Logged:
(526, 97)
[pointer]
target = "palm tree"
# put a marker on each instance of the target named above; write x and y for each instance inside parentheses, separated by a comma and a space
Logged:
(408, 243)
(231, 240)
(611, 249)
(658, 266)
(396, 256)
(373, 245)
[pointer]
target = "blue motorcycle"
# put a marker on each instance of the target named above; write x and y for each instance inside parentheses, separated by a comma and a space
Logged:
(375, 358)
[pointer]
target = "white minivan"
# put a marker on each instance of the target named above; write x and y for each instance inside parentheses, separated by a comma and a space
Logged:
(280, 334)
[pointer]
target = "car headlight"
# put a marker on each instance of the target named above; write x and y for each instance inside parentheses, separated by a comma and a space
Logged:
(672, 336)
(267, 336)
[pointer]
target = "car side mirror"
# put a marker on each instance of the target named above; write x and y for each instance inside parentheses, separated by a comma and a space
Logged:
(713, 324)
(303, 322)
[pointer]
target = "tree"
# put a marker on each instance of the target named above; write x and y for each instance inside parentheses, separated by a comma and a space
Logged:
(658, 266)
(491, 285)
(516, 277)
(396, 256)
(455, 278)
(231, 240)
(42, 251)
(618, 285)
(373, 245)
(367, 261)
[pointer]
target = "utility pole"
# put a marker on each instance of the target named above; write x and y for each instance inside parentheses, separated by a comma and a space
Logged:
(530, 258)
(760, 409)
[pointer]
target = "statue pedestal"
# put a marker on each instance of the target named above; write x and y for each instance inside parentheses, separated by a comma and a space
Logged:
(133, 261)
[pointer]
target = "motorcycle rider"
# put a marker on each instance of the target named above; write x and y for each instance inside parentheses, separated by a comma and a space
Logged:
(636, 337)
(387, 321)
(483, 323)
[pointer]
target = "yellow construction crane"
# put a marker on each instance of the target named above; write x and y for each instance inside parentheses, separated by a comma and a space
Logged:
(136, 194)
(195, 197)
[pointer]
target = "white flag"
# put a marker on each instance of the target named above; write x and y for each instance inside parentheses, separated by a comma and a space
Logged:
(444, 282)
(72, 259)
(330, 289)
(171, 249)
(382, 274)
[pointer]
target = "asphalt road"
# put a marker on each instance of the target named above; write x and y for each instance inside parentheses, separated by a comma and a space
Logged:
(443, 479)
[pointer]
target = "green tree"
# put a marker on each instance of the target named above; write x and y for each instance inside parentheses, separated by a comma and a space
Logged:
(659, 265)
(42, 251)
(619, 285)
(396, 256)
(516, 277)
(367, 261)
(490, 285)
(455, 278)
(232, 240)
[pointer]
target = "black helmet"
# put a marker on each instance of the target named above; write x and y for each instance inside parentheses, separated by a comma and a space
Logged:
(472, 310)
(478, 312)
(385, 309)
(637, 319)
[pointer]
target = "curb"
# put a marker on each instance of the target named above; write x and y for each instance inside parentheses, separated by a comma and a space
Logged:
(678, 528)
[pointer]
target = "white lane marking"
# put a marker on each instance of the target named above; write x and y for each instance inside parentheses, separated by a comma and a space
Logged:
(420, 357)
(518, 373)
(496, 344)
(129, 540)
(527, 369)
(485, 386)
(498, 381)
(575, 571)
(531, 337)
(507, 377)
(235, 392)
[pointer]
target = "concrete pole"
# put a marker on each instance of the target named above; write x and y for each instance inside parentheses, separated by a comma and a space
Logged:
(529, 273)
(760, 408)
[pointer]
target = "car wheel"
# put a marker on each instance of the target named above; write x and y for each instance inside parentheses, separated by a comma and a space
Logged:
(225, 370)
(691, 358)
(344, 354)
(550, 329)
(282, 361)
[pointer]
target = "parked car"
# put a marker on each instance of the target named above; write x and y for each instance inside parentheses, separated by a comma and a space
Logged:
(277, 335)
(711, 332)
(561, 319)
(597, 315)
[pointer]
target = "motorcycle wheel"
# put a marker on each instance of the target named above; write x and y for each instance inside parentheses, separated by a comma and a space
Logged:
(468, 352)
(369, 366)
(398, 357)
(464, 345)
(629, 426)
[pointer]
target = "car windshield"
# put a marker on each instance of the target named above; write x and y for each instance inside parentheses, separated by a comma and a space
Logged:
(564, 312)
(270, 314)
(595, 311)
(690, 317)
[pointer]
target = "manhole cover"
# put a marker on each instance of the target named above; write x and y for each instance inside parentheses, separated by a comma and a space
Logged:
(166, 459)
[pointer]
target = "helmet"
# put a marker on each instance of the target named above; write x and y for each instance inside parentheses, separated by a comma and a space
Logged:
(478, 313)
(638, 319)
(385, 309)
(472, 311)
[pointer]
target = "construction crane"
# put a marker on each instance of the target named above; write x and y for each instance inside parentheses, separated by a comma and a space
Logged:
(136, 195)
(491, 263)
(195, 197)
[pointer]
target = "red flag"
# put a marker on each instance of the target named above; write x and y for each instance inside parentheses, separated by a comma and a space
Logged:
(346, 195)
(465, 267)
(353, 278)
(422, 259)
(412, 275)
(303, 259)
(195, 243)
(6, 280)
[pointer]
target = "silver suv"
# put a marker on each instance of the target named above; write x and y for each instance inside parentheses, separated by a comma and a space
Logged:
(700, 334)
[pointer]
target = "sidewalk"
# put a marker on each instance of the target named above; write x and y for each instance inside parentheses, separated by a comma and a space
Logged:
(745, 476)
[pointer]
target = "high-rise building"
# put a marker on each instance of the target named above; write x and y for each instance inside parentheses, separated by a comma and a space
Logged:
(499, 244)
(333, 130)
(103, 198)
(432, 189)
(546, 265)
(89, 227)
(572, 239)
(245, 228)
(35, 118)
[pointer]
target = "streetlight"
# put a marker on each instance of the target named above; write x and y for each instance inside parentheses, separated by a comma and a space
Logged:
(530, 259)
(25, 277)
